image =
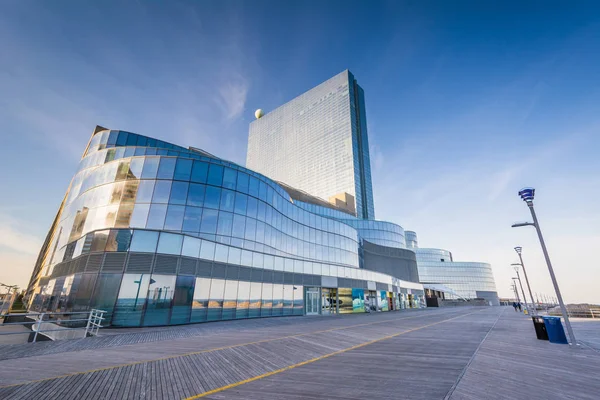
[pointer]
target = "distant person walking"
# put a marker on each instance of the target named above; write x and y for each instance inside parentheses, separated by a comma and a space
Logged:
(519, 305)
(515, 305)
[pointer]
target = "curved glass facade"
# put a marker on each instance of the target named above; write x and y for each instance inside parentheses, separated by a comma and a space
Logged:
(157, 234)
(467, 279)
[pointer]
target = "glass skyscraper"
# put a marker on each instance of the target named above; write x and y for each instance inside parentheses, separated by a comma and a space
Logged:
(318, 143)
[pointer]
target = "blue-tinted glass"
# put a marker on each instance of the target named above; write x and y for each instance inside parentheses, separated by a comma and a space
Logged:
(230, 178)
(183, 169)
(196, 195)
(225, 223)
(156, 218)
(262, 191)
(144, 241)
(250, 229)
(150, 167)
(182, 300)
(112, 138)
(179, 192)
(141, 141)
(227, 200)
(241, 203)
(119, 153)
(162, 192)
(166, 168)
(170, 243)
(209, 221)
(242, 182)
(151, 142)
(122, 138)
(191, 220)
(174, 219)
(135, 168)
(129, 151)
(215, 175)
(139, 216)
(252, 207)
(262, 211)
(212, 197)
(131, 139)
(151, 151)
(253, 187)
(144, 192)
(239, 226)
(199, 171)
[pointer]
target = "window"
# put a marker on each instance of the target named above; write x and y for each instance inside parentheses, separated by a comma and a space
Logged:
(239, 226)
(199, 171)
(144, 241)
(242, 182)
(150, 167)
(174, 220)
(215, 175)
(227, 200)
(225, 223)
(166, 168)
(213, 197)
(252, 207)
(196, 195)
(191, 247)
(118, 240)
(253, 187)
(170, 243)
(162, 192)
(209, 221)
(241, 203)
(230, 178)
(144, 191)
(191, 220)
(183, 169)
(139, 216)
(156, 217)
(179, 192)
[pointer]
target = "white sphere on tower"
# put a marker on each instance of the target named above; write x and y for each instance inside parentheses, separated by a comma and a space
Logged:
(258, 113)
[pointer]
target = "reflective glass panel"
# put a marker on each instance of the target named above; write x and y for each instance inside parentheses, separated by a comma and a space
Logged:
(196, 195)
(170, 243)
(166, 168)
(179, 192)
(200, 302)
(160, 294)
(144, 241)
(183, 169)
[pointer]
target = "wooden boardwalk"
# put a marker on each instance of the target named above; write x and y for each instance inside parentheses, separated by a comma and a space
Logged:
(428, 354)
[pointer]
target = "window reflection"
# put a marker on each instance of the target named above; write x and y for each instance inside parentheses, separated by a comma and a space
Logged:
(160, 294)
(131, 300)
(200, 302)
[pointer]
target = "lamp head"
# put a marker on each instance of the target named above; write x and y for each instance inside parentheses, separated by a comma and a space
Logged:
(518, 249)
(527, 194)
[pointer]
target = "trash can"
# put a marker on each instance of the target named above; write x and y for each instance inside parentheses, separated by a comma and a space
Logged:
(540, 328)
(556, 333)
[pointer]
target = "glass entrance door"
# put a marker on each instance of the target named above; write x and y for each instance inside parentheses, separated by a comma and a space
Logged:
(312, 301)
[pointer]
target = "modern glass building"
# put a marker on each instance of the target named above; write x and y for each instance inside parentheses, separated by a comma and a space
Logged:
(468, 280)
(159, 234)
(318, 143)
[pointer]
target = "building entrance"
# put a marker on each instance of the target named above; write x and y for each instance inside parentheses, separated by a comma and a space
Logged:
(312, 301)
(329, 301)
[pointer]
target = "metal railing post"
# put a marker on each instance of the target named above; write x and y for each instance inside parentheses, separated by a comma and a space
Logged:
(89, 321)
(38, 326)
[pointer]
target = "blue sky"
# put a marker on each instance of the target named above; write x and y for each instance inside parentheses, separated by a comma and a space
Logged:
(466, 103)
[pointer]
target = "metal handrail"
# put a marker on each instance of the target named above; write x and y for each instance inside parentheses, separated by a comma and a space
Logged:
(93, 322)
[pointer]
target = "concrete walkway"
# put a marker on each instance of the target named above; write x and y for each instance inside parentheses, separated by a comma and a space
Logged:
(467, 353)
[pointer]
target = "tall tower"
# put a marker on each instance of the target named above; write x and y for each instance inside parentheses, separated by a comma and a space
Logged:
(318, 143)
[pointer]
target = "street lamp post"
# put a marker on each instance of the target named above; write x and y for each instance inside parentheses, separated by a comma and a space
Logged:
(516, 290)
(527, 194)
(519, 249)
(522, 291)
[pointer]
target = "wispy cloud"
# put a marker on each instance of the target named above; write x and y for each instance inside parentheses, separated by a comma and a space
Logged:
(232, 97)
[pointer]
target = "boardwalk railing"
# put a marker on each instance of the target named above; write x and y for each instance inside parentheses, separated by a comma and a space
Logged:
(56, 325)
